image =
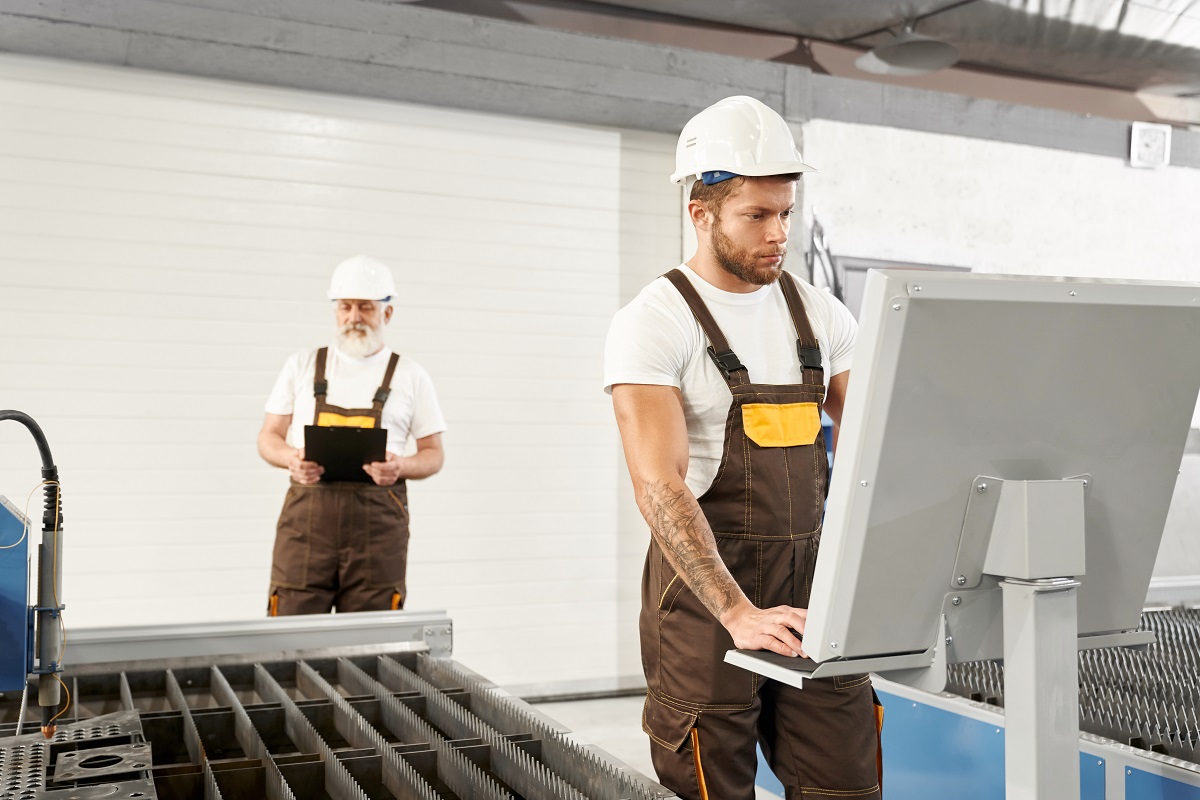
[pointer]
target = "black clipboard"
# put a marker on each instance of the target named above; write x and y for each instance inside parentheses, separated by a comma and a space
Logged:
(343, 451)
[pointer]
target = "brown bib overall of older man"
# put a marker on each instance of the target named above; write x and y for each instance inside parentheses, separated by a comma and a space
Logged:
(765, 508)
(341, 544)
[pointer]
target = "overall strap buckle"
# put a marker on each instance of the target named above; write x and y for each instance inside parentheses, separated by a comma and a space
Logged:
(810, 357)
(320, 388)
(726, 361)
(382, 395)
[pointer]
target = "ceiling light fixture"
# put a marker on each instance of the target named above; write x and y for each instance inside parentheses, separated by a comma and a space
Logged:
(908, 54)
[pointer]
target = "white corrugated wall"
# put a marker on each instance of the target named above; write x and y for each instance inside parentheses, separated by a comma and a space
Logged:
(166, 242)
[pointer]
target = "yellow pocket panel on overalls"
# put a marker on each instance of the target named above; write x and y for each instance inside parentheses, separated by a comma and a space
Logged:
(328, 419)
(786, 425)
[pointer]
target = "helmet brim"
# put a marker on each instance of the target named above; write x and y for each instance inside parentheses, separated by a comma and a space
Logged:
(755, 171)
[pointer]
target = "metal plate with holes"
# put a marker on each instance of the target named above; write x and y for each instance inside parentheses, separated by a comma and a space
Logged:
(29, 764)
(22, 770)
(141, 789)
(93, 762)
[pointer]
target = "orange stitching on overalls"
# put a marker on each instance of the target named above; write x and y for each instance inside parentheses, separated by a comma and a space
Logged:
(749, 483)
(766, 537)
(650, 733)
(682, 708)
(698, 707)
(659, 698)
(366, 546)
(800, 392)
(658, 627)
(808, 577)
(308, 540)
(841, 792)
(671, 607)
(658, 661)
(664, 593)
(817, 493)
(787, 475)
(837, 687)
(758, 575)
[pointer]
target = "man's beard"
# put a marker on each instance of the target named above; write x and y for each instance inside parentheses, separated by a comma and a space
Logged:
(359, 340)
(741, 263)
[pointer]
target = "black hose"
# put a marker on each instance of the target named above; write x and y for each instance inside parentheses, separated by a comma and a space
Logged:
(53, 504)
(39, 437)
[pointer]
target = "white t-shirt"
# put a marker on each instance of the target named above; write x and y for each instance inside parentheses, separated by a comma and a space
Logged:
(656, 340)
(411, 409)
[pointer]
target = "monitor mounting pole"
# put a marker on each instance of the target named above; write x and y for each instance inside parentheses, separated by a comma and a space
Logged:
(1036, 548)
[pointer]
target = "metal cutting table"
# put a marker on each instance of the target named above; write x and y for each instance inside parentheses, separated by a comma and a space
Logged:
(344, 707)
(1139, 730)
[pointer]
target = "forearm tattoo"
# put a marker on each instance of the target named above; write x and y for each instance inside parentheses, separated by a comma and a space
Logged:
(684, 535)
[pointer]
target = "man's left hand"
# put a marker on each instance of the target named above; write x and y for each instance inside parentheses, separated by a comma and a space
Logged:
(385, 473)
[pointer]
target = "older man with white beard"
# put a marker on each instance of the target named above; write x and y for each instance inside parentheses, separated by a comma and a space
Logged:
(344, 545)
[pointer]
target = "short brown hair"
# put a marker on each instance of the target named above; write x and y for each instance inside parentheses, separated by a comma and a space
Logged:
(715, 195)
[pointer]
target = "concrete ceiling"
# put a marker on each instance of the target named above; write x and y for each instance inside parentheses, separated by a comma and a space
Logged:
(1150, 48)
(1124, 44)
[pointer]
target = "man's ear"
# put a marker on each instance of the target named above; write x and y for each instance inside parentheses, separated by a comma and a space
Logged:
(700, 214)
(387, 313)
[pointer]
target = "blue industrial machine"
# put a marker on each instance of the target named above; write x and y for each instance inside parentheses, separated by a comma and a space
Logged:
(31, 638)
(14, 598)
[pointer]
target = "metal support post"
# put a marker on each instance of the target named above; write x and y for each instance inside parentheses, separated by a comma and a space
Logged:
(1041, 689)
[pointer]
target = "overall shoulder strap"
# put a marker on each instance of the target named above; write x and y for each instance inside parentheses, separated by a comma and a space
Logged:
(732, 369)
(385, 388)
(320, 385)
(807, 347)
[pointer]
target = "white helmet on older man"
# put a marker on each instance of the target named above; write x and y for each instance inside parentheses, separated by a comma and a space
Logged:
(362, 278)
(736, 136)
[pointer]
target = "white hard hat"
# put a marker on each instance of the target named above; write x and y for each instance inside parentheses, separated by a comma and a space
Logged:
(736, 136)
(362, 278)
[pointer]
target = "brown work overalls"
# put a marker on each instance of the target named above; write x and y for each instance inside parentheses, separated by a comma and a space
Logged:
(765, 507)
(341, 545)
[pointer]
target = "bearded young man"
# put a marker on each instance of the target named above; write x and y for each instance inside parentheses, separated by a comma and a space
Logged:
(344, 545)
(719, 372)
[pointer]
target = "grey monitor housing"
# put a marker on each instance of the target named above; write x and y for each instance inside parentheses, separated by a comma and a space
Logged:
(961, 377)
(1008, 452)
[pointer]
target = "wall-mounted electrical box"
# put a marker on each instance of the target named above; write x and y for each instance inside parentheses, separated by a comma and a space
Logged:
(1149, 145)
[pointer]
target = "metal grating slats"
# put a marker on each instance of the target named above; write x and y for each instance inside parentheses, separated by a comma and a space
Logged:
(358, 727)
(1147, 699)
(585, 767)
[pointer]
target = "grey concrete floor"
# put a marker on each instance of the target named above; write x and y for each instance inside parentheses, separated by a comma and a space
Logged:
(614, 724)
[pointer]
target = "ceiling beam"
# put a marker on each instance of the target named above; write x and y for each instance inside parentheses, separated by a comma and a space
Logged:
(399, 52)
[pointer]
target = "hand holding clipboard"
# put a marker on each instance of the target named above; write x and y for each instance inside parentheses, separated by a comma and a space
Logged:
(343, 451)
